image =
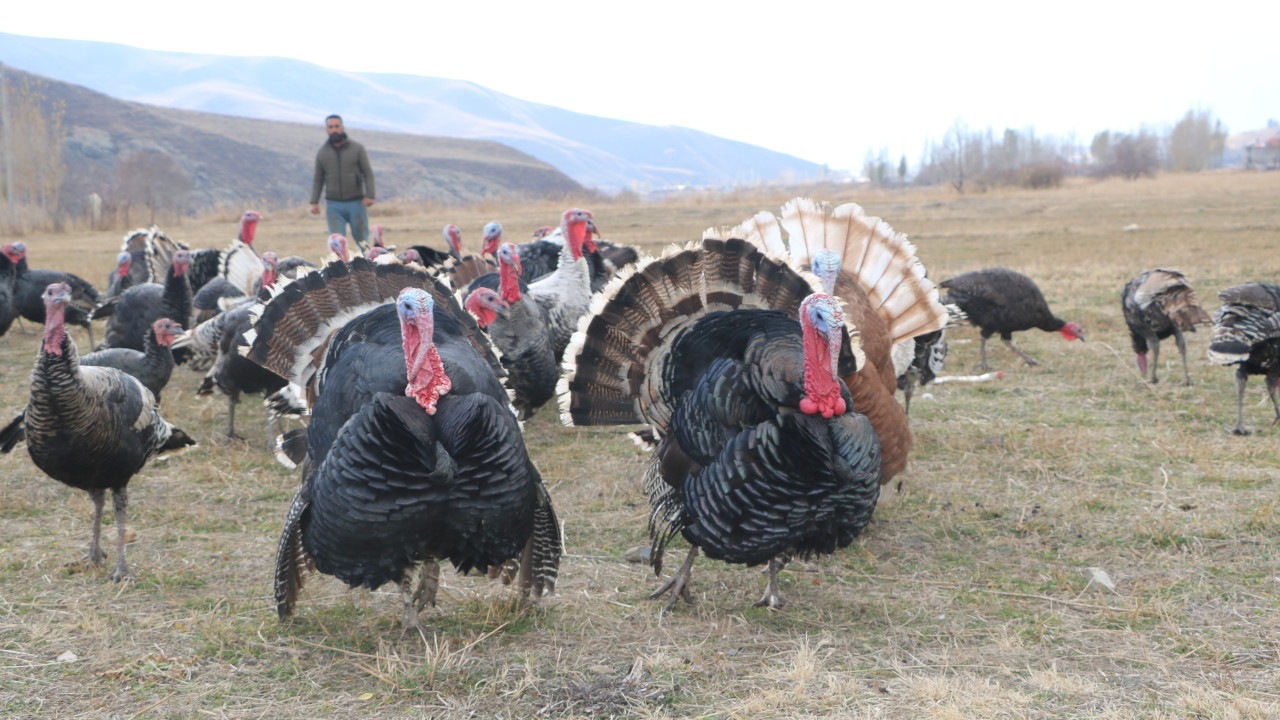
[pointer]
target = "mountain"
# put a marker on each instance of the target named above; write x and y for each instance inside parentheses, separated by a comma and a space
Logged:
(232, 160)
(600, 152)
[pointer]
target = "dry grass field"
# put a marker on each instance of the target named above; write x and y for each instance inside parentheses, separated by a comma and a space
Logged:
(967, 597)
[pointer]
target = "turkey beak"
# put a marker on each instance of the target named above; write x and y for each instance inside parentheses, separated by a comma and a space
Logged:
(504, 308)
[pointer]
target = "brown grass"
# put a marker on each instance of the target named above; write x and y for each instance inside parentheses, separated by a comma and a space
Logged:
(966, 598)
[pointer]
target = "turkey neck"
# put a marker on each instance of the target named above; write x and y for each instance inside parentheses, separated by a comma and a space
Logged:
(176, 303)
(1052, 324)
(423, 367)
(821, 389)
(248, 228)
(509, 283)
(57, 370)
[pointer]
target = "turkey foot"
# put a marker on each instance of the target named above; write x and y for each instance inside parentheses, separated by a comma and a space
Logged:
(773, 598)
(120, 500)
(418, 598)
(678, 584)
(121, 571)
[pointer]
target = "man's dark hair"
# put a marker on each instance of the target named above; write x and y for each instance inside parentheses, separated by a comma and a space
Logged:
(331, 117)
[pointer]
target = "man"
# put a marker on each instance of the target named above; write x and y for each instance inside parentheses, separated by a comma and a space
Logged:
(342, 168)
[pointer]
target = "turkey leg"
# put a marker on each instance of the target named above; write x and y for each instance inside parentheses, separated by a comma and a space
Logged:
(1025, 357)
(1154, 344)
(120, 500)
(772, 596)
(678, 585)
(416, 600)
(1272, 381)
(982, 348)
(1241, 379)
(96, 556)
(1182, 350)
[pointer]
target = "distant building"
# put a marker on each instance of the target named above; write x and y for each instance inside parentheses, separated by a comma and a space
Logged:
(1257, 149)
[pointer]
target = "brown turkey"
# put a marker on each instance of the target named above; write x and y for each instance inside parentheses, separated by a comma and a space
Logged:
(887, 297)
(1156, 304)
(1001, 302)
(91, 428)
(1246, 333)
(733, 360)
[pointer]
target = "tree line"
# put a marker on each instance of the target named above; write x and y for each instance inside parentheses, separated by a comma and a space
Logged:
(144, 184)
(977, 159)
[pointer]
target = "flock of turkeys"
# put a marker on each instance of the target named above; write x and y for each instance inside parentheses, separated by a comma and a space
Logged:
(758, 363)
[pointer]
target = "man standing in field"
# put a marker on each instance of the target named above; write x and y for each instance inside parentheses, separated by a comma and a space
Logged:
(342, 168)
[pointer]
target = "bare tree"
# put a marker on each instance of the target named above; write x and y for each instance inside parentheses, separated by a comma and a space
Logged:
(1196, 142)
(151, 178)
(36, 136)
(950, 157)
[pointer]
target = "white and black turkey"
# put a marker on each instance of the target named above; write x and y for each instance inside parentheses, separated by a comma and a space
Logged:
(1246, 333)
(733, 360)
(91, 428)
(413, 454)
(566, 293)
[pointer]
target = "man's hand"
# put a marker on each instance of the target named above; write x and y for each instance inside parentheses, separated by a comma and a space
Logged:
(315, 208)
(367, 202)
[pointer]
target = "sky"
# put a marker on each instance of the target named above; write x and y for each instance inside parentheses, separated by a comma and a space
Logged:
(827, 81)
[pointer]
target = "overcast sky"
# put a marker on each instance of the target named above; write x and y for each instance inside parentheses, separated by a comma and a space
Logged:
(825, 81)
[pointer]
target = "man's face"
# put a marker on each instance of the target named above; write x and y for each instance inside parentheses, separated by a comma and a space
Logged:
(334, 127)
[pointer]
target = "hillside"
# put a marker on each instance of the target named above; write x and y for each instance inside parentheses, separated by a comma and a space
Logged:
(232, 160)
(606, 153)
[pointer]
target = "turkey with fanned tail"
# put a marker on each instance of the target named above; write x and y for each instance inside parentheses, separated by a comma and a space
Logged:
(733, 359)
(887, 297)
(413, 454)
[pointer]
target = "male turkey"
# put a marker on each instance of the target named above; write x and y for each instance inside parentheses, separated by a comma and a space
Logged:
(91, 428)
(152, 366)
(1156, 304)
(604, 258)
(119, 281)
(413, 454)
(131, 314)
(29, 285)
(1001, 302)
(1246, 333)
(430, 257)
(887, 297)
(518, 327)
(733, 360)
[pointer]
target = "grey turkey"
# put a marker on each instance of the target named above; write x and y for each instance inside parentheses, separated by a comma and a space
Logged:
(733, 361)
(92, 428)
(413, 454)
(29, 285)
(1156, 304)
(1246, 334)
(518, 327)
(1001, 302)
(210, 299)
(130, 315)
(152, 366)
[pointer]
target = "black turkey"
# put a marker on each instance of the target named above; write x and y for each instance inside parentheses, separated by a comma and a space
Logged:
(1156, 304)
(29, 285)
(518, 327)
(1001, 302)
(413, 454)
(733, 360)
(131, 314)
(430, 257)
(92, 428)
(1246, 333)
(119, 280)
(152, 366)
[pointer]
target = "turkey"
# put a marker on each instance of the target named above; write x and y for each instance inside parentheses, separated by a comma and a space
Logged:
(733, 360)
(566, 293)
(8, 277)
(928, 358)
(152, 366)
(88, 427)
(1156, 304)
(233, 374)
(131, 314)
(538, 258)
(518, 327)
(209, 300)
(29, 285)
(413, 454)
(1001, 302)
(1246, 333)
(430, 257)
(874, 270)
(604, 258)
(119, 280)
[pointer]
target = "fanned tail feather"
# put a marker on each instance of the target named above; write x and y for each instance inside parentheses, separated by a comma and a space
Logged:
(633, 319)
(292, 325)
(291, 559)
(462, 272)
